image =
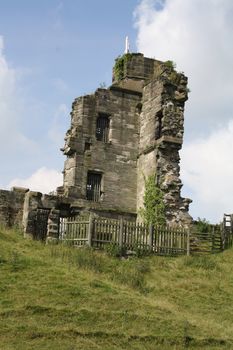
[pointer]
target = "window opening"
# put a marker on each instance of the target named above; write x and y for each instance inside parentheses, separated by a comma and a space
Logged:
(139, 108)
(93, 192)
(87, 146)
(102, 128)
(158, 126)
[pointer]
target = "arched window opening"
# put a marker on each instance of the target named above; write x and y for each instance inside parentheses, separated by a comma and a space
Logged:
(138, 112)
(102, 128)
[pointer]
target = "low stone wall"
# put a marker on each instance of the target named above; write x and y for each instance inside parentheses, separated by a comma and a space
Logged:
(29, 210)
(37, 207)
(38, 214)
(11, 206)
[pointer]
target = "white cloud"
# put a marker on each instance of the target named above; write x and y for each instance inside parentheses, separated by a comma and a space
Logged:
(23, 119)
(11, 110)
(58, 129)
(7, 75)
(43, 180)
(197, 35)
(207, 168)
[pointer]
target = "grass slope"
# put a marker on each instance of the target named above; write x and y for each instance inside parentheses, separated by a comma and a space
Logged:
(56, 297)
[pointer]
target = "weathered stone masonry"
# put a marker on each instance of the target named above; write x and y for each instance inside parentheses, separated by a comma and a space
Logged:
(145, 133)
(11, 206)
(33, 212)
(118, 136)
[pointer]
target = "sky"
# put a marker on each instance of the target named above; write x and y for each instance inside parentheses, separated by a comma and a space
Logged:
(53, 51)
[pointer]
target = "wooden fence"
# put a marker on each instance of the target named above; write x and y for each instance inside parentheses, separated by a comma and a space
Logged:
(206, 242)
(131, 236)
(75, 230)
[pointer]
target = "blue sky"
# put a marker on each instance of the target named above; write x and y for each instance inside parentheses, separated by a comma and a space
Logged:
(58, 50)
(75, 41)
(53, 51)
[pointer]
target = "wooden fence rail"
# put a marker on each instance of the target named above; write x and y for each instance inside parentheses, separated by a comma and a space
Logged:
(131, 236)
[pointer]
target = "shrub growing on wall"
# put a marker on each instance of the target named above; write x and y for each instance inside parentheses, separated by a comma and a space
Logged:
(121, 62)
(154, 207)
(202, 225)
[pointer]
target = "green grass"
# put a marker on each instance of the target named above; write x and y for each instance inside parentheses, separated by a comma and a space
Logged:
(57, 297)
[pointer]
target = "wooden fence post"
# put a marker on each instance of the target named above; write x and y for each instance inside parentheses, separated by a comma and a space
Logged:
(90, 230)
(188, 242)
(150, 241)
(223, 234)
(231, 235)
(213, 240)
(121, 233)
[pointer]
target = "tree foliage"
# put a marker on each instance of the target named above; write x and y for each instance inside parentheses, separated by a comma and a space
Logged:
(202, 225)
(154, 207)
(170, 64)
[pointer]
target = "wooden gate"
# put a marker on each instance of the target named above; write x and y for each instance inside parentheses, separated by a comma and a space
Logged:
(74, 230)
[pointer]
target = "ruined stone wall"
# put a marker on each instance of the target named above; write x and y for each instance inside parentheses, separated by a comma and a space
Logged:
(147, 161)
(161, 137)
(36, 212)
(145, 111)
(145, 107)
(73, 148)
(116, 160)
(11, 206)
(138, 67)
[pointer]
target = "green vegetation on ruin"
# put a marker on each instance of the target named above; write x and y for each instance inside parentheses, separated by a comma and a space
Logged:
(58, 297)
(153, 211)
(120, 64)
(170, 64)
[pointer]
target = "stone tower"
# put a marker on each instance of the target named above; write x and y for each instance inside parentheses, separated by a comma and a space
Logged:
(124, 133)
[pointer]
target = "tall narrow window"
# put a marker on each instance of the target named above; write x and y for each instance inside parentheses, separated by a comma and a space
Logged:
(158, 126)
(102, 128)
(93, 186)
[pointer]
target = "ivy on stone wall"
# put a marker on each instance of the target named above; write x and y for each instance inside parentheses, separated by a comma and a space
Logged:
(121, 61)
(154, 207)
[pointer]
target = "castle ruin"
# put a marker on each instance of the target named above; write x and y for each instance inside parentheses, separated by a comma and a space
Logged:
(118, 137)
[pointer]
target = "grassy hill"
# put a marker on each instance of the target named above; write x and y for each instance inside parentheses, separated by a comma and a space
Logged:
(56, 297)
